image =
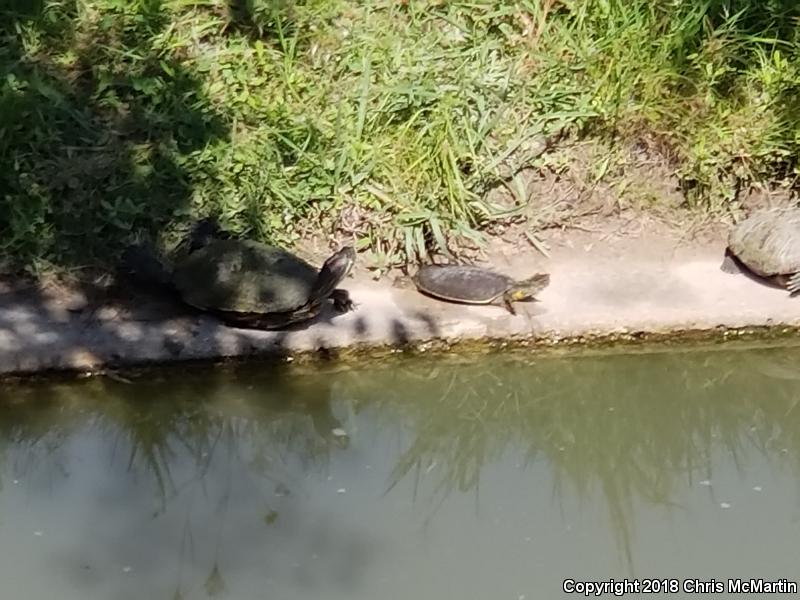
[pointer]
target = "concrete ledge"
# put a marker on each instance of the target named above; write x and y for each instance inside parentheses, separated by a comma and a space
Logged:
(591, 295)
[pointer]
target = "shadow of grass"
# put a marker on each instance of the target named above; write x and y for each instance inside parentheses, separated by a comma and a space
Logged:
(97, 122)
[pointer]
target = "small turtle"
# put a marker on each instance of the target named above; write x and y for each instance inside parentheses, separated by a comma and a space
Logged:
(475, 285)
(767, 244)
(244, 283)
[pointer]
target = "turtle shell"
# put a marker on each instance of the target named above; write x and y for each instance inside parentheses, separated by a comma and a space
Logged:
(768, 242)
(462, 283)
(243, 276)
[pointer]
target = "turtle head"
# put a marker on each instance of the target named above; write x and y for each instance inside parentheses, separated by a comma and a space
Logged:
(340, 263)
(335, 269)
(528, 288)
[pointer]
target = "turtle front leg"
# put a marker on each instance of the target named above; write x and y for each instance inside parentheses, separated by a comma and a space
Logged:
(342, 301)
(507, 302)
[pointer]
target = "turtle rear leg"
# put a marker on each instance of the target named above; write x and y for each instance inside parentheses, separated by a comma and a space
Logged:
(729, 264)
(342, 301)
(793, 284)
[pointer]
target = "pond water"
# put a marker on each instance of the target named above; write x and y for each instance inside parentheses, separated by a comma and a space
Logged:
(489, 478)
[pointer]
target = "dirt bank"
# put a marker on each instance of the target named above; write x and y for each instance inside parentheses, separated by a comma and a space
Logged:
(604, 283)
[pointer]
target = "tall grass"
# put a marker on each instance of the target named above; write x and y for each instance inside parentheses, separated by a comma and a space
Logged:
(383, 123)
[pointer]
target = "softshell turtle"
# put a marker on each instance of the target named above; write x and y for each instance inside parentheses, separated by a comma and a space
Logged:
(468, 284)
(243, 282)
(768, 245)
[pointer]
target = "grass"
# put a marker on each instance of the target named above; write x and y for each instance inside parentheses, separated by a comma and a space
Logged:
(381, 123)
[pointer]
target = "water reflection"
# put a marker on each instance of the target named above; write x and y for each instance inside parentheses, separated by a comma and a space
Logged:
(623, 431)
(164, 441)
(235, 482)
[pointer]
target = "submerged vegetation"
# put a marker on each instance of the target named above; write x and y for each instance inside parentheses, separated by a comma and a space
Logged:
(384, 122)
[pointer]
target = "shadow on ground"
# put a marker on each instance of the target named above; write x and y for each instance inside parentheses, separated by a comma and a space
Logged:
(98, 124)
(88, 327)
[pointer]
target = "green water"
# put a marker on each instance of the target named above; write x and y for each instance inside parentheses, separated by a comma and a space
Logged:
(492, 478)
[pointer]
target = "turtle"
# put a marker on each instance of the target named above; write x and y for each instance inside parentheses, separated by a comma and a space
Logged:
(243, 282)
(767, 244)
(467, 284)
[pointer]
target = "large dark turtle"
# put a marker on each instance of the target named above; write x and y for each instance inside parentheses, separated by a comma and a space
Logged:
(245, 283)
(767, 244)
(475, 285)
